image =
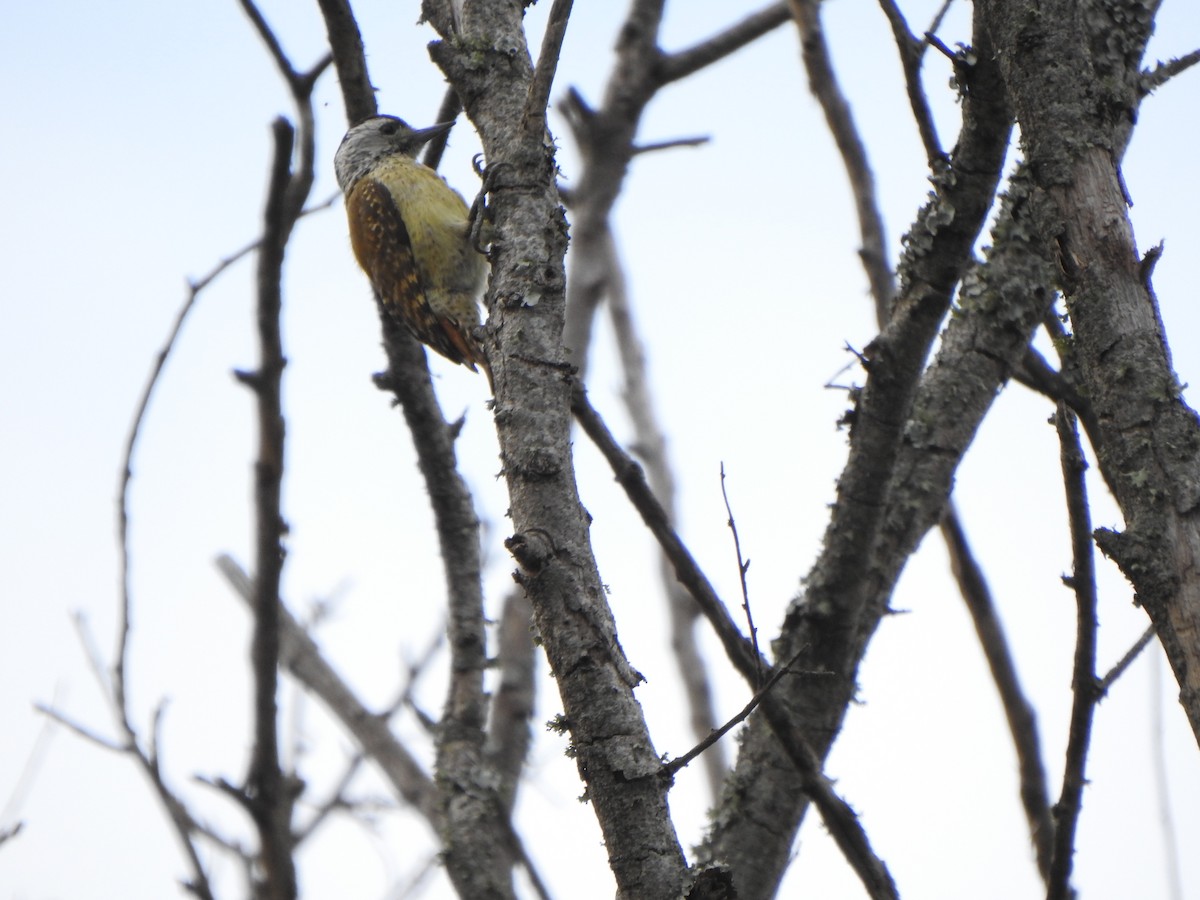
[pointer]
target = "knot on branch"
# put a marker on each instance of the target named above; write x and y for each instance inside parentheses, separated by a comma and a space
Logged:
(714, 882)
(533, 549)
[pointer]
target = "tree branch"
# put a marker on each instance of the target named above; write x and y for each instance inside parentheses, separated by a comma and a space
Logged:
(349, 58)
(1155, 78)
(823, 83)
(534, 116)
(1124, 662)
(185, 826)
(682, 63)
(912, 54)
(1083, 679)
(270, 795)
(509, 735)
(299, 654)
(1149, 453)
(651, 442)
(489, 66)
(1022, 721)
(629, 475)
(883, 507)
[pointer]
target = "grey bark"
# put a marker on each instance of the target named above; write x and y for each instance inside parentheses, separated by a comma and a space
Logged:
(488, 64)
(1074, 72)
(847, 591)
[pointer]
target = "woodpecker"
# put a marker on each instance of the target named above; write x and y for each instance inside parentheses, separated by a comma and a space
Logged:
(411, 234)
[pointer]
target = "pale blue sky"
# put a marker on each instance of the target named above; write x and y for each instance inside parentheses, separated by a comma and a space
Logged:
(136, 147)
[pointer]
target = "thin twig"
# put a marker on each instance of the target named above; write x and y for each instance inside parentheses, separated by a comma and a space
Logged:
(938, 17)
(1124, 662)
(267, 35)
(1083, 679)
(629, 475)
(336, 800)
(304, 660)
(655, 146)
(29, 772)
(182, 821)
(413, 670)
(839, 818)
(81, 730)
(743, 568)
(674, 765)
(195, 288)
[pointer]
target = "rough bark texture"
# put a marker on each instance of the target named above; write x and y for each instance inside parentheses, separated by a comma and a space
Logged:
(470, 813)
(847, 592)
(1073, 72)
(489, 66)
(479, 856)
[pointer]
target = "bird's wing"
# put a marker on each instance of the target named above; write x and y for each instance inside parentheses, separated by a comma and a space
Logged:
(384, 250)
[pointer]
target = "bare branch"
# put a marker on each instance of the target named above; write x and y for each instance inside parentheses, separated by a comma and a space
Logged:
(841, 821)
(1083, 680)
(823, 83)
(912, 54)
(182, 822)
(655, 146)
(336, 800)
(884, 504)
(675, 66)
(743, 567)
(938, 17)
(349, 58)
(1155, 78)
(301, 656)
(82, 730)
(120, 667)
(629, 475)
(651, 442)
(270, 795)
(1022, 721)
(547, 64)
(461, 730)
(1124, 662)
(272, 42)
(509, 734)
(674, 765)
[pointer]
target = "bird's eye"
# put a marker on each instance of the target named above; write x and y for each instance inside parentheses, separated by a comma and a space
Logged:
(389, 127)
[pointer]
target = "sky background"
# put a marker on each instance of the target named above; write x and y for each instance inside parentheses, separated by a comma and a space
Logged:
(136, 147)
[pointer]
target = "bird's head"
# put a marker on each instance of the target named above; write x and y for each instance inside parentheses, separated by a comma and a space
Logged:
(376, 138)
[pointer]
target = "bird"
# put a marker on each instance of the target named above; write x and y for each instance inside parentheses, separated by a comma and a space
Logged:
(411, 234)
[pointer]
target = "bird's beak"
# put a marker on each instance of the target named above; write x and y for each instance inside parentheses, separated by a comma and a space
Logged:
(421, 136)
